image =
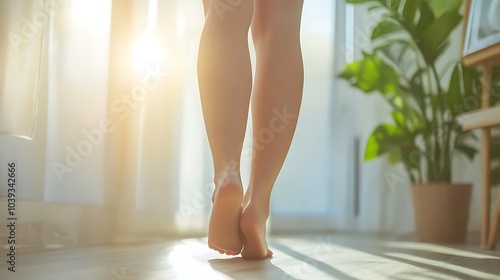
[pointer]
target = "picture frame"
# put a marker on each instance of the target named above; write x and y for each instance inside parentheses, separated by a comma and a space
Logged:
(481, 32)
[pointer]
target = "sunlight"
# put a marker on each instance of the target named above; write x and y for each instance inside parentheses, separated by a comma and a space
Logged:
(91, 13)
(185, 266)
(474, 274)
(433, 248)
(147, 53)
(359, 264)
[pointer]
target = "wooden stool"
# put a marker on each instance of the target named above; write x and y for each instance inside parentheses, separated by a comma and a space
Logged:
(485, 119)
(488, 55)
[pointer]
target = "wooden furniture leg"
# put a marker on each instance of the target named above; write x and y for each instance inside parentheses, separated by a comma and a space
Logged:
(485, 152)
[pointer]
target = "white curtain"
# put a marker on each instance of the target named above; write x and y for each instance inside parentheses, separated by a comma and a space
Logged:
(118, 105)
(21, 47)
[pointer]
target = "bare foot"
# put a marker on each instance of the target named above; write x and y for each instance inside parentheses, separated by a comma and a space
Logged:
(223, 229)
(253, 229)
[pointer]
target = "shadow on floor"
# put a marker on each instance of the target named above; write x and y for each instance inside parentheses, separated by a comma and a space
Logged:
(254, 269)
(438, 264)
(458, 264)
(326, 268)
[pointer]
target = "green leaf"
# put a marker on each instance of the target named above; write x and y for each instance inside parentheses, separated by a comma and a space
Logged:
(398, 101)
(386, 27)
(454, 94)
(440, 7)
(402, 53)
(463, 136)
(436, 33)
(399, 119)
(389, 51)
(495, 176)
(418, 94)
(375, 7)
(394, 5)
(387, 43)
(360, 1)
(495, 142)
(466, 150)
(412, 157)
(426, 17)
(394, 156)
(440, 50)
(495, 148)
(371, 74)
(410, 10)
(471, 76)
(386, 137)
(495, 158)
(434, 99)
(393, 49)
(495, 91)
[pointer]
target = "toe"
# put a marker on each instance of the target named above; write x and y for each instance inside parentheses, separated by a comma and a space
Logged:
(233, 253)
(222, 251)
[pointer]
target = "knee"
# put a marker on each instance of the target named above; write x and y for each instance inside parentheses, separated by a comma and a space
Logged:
(274, 31)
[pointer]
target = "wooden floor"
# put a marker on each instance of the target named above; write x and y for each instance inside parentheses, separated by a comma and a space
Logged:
(301, 257)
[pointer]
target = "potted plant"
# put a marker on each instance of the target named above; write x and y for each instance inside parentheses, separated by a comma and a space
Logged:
(424, 135)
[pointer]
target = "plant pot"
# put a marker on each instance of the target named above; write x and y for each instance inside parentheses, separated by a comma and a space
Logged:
(441, 212)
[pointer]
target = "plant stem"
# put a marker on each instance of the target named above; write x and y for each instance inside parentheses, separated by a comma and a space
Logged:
(431, 168)
(435, 167)
(409, 171)
(445, 129)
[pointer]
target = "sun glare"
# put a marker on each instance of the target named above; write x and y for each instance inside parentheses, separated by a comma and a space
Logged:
(91, 13)
(147, 53)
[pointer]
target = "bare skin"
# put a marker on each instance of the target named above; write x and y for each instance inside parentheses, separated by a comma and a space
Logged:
(238, 222)
(224, 231)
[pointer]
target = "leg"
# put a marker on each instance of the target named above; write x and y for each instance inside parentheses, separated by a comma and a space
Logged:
(225, 82)
(276, 102)
(206, 4)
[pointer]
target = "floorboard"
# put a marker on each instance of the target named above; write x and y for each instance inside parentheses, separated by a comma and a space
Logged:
(295, 257)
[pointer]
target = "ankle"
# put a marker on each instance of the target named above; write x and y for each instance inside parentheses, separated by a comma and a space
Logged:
(228, 173)
(257, 197)
(257, 206)
(228, 189)
(228, 184)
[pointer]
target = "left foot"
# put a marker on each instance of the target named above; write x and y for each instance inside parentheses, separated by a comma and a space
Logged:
(253, 229)
(224, 226)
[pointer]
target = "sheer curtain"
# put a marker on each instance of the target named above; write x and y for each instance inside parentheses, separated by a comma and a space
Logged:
(20, 55)
(118, 104)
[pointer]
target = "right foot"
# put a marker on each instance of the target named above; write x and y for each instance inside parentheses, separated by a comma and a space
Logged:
(253, 229)
(223, 229)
